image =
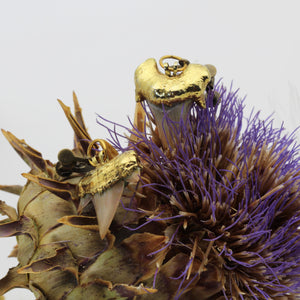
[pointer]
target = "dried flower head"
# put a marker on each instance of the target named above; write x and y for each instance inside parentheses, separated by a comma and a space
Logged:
(227, 198)
(209, 209)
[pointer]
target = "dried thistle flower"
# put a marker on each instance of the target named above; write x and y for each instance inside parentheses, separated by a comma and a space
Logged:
(213, 214)
(226, 198)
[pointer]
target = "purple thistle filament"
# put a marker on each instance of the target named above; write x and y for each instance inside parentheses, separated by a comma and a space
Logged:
(237, 182)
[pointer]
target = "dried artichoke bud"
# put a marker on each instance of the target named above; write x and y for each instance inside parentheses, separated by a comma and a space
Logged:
(208, 210)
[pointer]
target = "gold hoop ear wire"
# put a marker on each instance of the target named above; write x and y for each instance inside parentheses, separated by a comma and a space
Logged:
(108, 151)
(179, 69)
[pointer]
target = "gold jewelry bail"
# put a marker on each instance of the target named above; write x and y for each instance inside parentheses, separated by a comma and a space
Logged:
(108, 150)
(92, 143)
(179, 69)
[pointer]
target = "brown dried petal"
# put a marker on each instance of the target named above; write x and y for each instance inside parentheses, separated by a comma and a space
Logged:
(30, 192)
(14, 251)
(208, 285)
(84, 222)
(165, 284)
(54, 284)
(99, 289)
(14, 189)
(63, 190)
(131, 257)
(140, 245)
(8, 211)
(62, 259)
(130, 291)
(82, 137)
(22, 226)
(104, 268)
(44, 203)
(87, 246)
(31, 156)
(12, 280)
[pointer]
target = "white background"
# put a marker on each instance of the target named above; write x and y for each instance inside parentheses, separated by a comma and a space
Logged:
(50, 48)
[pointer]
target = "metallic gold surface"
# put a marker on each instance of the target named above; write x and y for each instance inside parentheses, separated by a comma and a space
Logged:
(103, 156)
(175, 69)
(107, 174)
(110, 151)
(172, 88)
